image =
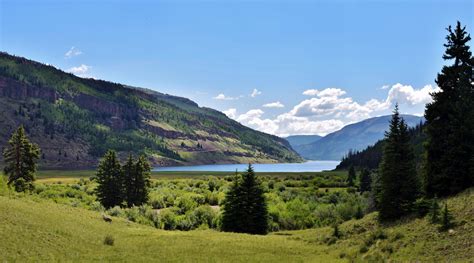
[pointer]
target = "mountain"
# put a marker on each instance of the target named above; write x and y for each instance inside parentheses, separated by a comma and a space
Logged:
(298, 140)
(353, 137)
(76, 120)
(371, 156)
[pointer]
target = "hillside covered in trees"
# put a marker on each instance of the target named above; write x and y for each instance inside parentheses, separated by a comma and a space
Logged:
(76, 120)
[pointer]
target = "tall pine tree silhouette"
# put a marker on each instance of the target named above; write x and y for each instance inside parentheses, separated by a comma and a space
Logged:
(109, 177)
(20, 160)
(449, 162)
(398, 179)
(245, 207)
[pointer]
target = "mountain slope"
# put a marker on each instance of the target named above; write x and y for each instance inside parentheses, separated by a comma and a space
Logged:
(353, 137)
(75, 120)
(371, 156)
(298, 140)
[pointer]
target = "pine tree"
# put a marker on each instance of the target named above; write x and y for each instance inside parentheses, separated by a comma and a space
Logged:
(398, 180)
(434, 211)
(446, 219)
(450, 121)
(109, 177)
(245, 207)
(351, 176)
(20, 161)
(141, 182)
(365, 181)
(129, 180)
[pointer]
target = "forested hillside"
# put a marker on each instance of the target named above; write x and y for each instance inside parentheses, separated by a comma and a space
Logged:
(75, 120)
(371, 156)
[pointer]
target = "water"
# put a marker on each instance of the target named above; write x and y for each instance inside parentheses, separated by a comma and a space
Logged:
(309, 166)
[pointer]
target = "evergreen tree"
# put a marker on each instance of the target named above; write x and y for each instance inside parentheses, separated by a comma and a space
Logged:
(351, 176)
(450, 121)
(109, 177)
(398, 179)
(365, 181)
(129, 172)
(245, 207)
(446, 218)
(141, 182)
(434, 211)
(20, 158)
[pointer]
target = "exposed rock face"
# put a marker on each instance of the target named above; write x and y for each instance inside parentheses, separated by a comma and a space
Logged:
(14, 89)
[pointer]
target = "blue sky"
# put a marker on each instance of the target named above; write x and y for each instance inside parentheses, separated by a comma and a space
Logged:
(351, 59)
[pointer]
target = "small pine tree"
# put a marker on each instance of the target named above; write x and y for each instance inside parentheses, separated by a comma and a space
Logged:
(20, 161)
(336, 233)
(110, 181)
(141, 182)
(365, 180)
(245, 208)
(398, 179)
(434, 211)
(351, 177)
(446, 219)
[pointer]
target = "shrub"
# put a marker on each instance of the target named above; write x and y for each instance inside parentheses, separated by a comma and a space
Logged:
(115, 211)
(422, 206)
(109, 240)
(167, 219)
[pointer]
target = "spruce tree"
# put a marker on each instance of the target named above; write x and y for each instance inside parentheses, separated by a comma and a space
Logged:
(450, 121)
(446, 218)
(141, 183)
(398, 180)
(434, 211)
(245, 207)
(109, 178)
(20, 158)
(365, 181)
(351, 177)
(129, 172)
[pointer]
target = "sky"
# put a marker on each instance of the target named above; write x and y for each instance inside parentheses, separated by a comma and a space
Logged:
(282, 67)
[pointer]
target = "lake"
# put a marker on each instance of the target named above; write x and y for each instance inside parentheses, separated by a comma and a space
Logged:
(309, 166)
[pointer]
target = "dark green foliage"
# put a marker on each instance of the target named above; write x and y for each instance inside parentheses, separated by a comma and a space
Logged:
(450, 121)
(245, 207)
(434, 211)
(109, 240)
(365, 181)
(20, 158)
(336, 233)
(109, 178)
(371, 156)
(422, 206)
(351, 177)
(446, 219)
(400, 186)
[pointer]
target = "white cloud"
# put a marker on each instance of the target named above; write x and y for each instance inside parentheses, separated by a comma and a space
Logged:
(385, 87)
(330, 110)
(275, 104)
(221, 96)
(255, 93)
(81, 70)
(72, 52)
(231, 113)
(311, 92)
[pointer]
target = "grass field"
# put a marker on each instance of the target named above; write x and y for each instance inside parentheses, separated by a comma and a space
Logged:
(40, 230)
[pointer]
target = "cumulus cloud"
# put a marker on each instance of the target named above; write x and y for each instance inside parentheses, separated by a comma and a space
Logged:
(311, 92)
(255, 93)
(81, 70)
(331, 109)
(231, 113)
(221, 96)
(275, 104)
(72, 52)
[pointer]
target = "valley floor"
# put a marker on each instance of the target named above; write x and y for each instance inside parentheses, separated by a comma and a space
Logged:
(40, 230)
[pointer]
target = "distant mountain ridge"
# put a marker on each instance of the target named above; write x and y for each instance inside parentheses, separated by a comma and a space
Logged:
(75, 120)
(355, 137)
(298, 140)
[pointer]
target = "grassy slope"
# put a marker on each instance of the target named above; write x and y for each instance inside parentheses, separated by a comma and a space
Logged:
(41, 230)
(45, 231)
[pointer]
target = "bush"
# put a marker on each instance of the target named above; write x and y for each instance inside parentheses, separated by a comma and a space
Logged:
(115, 211)
(109, 240)
(422, 206)
(167, 219)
